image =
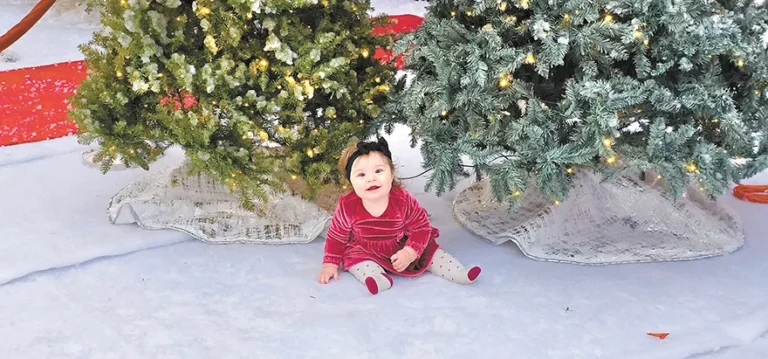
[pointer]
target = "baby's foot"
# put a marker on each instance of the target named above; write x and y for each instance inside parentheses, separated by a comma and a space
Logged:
(473, 273)
(378, 282)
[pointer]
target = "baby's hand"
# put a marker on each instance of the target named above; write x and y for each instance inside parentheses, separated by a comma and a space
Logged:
(329, 271)
(403, 258)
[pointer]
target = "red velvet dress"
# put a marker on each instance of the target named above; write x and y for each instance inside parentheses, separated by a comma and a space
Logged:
(355, 235)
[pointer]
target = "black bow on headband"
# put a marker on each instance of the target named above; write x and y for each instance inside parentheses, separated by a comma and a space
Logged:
(364, 148)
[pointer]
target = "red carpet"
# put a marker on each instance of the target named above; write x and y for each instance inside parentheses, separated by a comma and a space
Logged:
(33, 100)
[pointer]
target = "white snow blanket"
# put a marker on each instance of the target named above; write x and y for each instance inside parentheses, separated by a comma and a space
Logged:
(53, 211)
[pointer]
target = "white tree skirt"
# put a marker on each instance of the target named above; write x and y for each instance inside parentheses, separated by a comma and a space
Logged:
(603, 223)
(208, 211)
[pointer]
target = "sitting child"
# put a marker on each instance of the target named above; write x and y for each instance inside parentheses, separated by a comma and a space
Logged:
(380, 228)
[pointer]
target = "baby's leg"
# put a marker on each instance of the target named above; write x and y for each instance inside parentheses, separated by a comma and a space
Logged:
(372, 275)
(446, 266)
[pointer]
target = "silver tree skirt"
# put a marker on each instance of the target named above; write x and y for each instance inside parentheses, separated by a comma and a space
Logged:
(604, 223)
(208, 211)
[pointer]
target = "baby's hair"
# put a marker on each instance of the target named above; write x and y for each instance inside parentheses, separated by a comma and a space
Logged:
(349, 150)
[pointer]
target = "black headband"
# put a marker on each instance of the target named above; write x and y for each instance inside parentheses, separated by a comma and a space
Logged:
(364, 148)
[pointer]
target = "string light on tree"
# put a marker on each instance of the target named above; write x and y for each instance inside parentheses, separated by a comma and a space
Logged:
(611, 160)
(365, 53)
(608, 19)
(504, 80)
(740, 63)
(202, 11)
(503, 6)
(524, 4)
(529, 59)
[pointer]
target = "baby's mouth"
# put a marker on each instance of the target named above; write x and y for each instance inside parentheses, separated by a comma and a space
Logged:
(373, 188)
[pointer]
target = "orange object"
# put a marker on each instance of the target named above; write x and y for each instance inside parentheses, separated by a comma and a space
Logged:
(25, 24)
(751, 193)
(659, 335)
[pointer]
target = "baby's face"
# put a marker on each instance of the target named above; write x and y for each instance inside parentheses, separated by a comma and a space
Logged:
(371, 176)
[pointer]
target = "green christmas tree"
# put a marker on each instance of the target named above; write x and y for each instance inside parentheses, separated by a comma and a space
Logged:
(254, 90)
(532, 91)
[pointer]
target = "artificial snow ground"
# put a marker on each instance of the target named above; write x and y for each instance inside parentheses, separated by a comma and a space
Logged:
(74, 286)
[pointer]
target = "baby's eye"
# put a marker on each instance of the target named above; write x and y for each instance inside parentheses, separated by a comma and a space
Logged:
(361, 175)
(379, 170)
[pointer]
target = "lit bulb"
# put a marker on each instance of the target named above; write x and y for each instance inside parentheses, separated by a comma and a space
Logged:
(263, 64)
(607, 142)
(658, 177)
(516, 194)
(119, 73)
(638, 34)
(310, 153)
(377, 79)
(365, 53)
(567, 17)
(325, 3)
(645, 42)
(469, 12)
(569, 170)
(249, 16)
(123, 2)
(529, 59)
(557, 203)
(608, 18)
(714, 120)
(504, 81)
(503, 6)
(524, 4)
(740, 63)
(203, 10)
(444, 113)
(691, 167)
(453, 13)
(293, 177)
(611, 160)
(263, 136)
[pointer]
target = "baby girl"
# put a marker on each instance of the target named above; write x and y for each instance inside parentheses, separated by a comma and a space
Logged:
(380, 228)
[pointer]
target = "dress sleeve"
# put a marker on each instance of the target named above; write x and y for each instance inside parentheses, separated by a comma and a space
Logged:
(339, 234)
(417, 226)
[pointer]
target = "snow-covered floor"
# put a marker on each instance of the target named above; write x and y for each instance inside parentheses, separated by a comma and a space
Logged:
(74, 286)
